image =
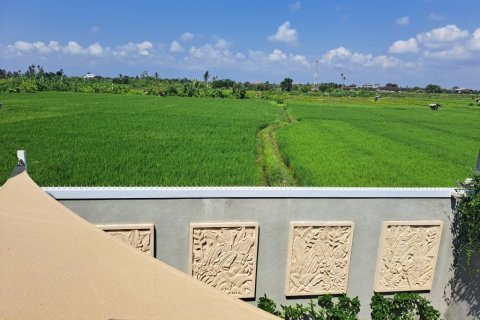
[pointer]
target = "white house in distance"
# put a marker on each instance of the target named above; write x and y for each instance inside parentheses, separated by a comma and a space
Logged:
(462, 90)
(89, 76)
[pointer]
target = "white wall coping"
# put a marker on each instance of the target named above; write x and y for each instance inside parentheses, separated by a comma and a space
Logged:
(80, 193)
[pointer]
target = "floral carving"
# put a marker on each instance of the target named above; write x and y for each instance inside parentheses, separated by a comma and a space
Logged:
(224, 256)
(319, 258)
(138, 236)
(408, 254)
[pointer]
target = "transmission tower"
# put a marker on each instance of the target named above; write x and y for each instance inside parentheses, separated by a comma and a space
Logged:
(315, 86)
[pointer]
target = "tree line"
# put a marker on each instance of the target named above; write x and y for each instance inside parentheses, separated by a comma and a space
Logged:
(35, 78)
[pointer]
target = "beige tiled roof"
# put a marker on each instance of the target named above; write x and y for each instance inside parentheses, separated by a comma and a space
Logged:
(55, 265)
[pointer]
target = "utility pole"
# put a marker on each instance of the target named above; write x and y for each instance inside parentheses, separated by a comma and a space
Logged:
(315, 86)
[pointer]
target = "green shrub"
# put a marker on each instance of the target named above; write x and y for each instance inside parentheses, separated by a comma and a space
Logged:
(324, 309)
(403, 306)
(267, 304)
(28, 86)
(119, 89)
(218, 93)
(171, 91)
(466, 228)
(239, 91)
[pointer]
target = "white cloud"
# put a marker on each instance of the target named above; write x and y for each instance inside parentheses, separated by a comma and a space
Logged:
(222, 44)
(361, 58)
(200, 52)
(55, 46)
(212, 54)
(403, 21)
(441, 37)
(176, 47)
(277, 55)
(285, 34)
(95, 49)
(212, 51)
(257, 60)
(42, 47)
(22, 46)
(301, 60)
(204, 52)
(186, 36)
(73, 48)
(445, 43)
(239, 56)
(385, 61)
(144, 47)
(295, 6)
(404, 46)
(340, 57)
(130, 52)
(474, 42)
(458, 52)
(340, 53)
(94, 29)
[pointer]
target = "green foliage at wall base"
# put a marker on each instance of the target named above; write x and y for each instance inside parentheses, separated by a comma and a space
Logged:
(402, 306)
(325, 308)
(466, 225)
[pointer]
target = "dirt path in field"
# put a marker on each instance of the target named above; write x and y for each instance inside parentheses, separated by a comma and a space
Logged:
(271, 166)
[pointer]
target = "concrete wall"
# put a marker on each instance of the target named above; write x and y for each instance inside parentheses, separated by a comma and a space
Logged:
(172, 218)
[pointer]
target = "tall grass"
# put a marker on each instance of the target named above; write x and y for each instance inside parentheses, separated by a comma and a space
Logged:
(82, 139)
(103, 139)
(392, 143)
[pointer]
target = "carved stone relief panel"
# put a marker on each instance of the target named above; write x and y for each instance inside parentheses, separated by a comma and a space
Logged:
(407, 255)
(140, 236)
(224, 255)
(318, 258)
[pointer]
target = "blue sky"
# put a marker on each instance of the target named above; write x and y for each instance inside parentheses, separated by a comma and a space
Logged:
(407, 42)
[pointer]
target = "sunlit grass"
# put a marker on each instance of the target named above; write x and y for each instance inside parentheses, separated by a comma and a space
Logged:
(119, 140)
(390, 143)
(78, 139)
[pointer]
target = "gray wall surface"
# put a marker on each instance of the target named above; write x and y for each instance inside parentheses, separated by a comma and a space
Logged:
(172, 218)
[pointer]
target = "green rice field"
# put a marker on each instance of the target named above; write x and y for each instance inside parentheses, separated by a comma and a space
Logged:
(393, 142)
(80, 139)
(77, 139)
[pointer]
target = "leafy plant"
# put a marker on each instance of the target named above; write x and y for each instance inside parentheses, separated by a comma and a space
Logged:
(286, 84)
(466, 229)
(345, 309)
(28, 86)
(267, 304)
(325, 309)
(239, 91)
(403, 306)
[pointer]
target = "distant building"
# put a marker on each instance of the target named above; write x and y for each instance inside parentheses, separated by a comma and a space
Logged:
(462, 90)
(89, 76)
(367, 86)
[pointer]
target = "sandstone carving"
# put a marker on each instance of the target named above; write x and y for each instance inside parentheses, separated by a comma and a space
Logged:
(407, 255)
(318, 258)
(225, 256)
(139, 236)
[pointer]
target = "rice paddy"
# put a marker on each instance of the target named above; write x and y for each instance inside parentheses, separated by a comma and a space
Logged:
(80, 139)
(392, 143)
(120, 140)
